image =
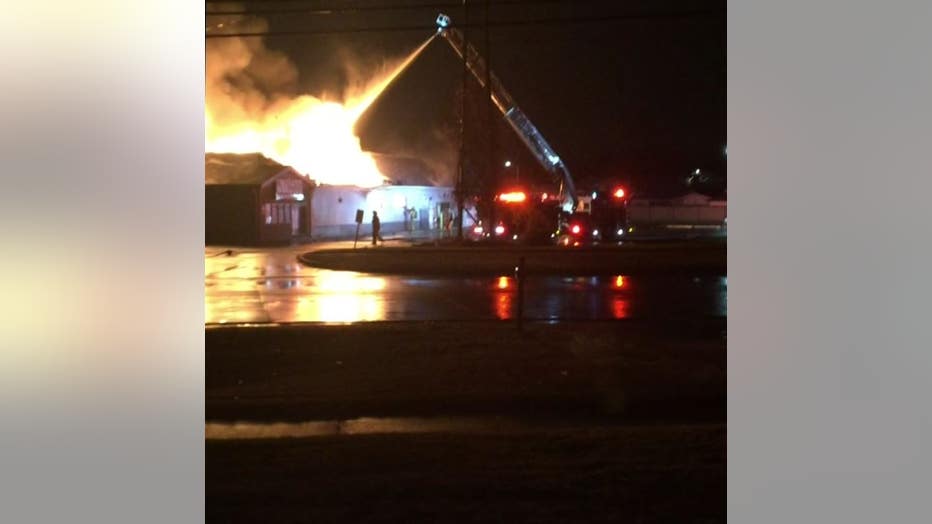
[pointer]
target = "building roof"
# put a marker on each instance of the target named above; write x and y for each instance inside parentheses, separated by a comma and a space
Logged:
(689, 199)
(254, 169)
(693, 198)
(250, 169)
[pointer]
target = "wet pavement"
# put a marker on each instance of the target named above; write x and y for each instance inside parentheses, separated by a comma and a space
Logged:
(488, 425)
(379, 425)
(271, 286)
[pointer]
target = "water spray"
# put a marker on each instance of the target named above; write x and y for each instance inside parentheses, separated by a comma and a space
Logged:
(375, 92)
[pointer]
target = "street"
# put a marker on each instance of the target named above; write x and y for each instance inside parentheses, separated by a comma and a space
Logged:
(271, 286)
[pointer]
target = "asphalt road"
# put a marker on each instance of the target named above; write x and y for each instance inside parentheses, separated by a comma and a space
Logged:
(270, 285)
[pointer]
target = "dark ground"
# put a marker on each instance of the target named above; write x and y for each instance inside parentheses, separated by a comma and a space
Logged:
(642, 408)
(665, 473)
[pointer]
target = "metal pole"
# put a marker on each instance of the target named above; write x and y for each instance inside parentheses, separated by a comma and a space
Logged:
(491, 164)
(461, 174)
(520, 273)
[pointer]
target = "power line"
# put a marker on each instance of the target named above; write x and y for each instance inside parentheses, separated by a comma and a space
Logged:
(516, 23)
(324, 31)
(318, 10)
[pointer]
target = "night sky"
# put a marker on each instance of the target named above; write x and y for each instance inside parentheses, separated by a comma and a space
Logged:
(639, 101)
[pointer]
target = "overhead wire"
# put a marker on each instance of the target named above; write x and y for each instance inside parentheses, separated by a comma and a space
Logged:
(512, 23)
(388, 7)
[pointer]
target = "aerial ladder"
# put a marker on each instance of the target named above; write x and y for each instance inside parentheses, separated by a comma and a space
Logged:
(516, 118)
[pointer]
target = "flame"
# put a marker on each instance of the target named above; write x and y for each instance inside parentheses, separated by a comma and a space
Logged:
(314, 136)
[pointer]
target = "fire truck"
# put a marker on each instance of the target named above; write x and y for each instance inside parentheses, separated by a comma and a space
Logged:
(524, 216)
(600, 217)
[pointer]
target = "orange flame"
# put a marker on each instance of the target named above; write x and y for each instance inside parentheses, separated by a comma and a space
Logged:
(315, 137)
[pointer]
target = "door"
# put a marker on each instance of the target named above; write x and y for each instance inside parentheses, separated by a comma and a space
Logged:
(295, 219)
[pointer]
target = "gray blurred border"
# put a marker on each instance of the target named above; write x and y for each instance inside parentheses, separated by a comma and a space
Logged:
(830, 353)
(101, 271)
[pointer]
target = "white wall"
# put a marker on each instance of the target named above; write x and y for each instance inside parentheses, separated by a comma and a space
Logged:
(336, 205)
(333, 208)
(676, 211)
(390, 201)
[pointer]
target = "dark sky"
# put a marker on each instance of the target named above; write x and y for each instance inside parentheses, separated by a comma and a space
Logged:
(634, 100)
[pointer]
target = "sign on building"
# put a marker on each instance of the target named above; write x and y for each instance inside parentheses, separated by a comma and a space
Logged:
(288, 188)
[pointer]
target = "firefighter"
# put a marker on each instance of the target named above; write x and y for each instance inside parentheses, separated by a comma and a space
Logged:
(376, 228)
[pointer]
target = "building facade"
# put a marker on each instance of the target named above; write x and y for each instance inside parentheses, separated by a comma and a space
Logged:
(693, 211)
(251, 200)
(415, 209)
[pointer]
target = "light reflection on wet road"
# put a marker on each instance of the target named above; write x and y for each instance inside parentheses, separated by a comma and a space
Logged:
(272, 286)
(384, 425)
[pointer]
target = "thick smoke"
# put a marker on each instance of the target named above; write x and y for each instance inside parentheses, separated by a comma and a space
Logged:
(255, 104)
(443, 158)
(244, 79)
(247, 81)
(438, 149)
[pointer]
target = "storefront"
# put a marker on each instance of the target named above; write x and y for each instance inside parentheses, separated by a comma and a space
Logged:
(250, 200)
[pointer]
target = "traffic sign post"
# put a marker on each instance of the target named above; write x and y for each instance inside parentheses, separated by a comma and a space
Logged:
(359, 214)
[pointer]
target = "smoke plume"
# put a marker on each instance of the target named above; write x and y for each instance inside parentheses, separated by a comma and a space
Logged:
(254, 104)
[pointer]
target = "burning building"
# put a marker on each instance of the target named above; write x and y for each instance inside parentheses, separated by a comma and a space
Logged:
(250, 200)
(283, 165)
(407, 202)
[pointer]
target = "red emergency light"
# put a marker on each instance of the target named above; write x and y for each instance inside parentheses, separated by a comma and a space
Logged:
(512, 197)
(575, 229)
(619, 193)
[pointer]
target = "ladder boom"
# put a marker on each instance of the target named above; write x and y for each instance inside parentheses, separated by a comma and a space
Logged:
(516, 118)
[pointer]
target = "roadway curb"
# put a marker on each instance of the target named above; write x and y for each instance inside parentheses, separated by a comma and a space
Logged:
(465, 261)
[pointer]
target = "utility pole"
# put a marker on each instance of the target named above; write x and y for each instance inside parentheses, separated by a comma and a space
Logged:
(491, 165)
(461, 174)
